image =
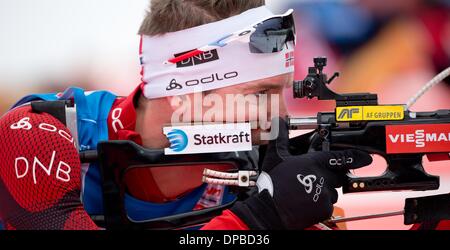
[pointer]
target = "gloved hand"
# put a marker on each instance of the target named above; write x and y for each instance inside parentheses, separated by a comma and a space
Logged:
(296, 192)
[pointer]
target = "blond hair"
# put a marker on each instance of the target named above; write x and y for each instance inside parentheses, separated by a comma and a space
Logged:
(174, 15)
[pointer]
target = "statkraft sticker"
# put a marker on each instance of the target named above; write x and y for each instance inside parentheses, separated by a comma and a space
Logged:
(370, 113)
(417, 138)
(209, 138)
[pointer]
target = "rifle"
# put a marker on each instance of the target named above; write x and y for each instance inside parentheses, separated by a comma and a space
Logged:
(400, 136)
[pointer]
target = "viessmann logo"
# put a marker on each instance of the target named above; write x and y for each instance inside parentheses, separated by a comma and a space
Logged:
(418, 138)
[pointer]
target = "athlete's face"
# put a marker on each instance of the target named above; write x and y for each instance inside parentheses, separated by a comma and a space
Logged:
(256, 102)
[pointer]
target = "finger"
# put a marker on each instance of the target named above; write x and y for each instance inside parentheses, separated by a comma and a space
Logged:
(334, 196)
(277, 150)
(343, 160)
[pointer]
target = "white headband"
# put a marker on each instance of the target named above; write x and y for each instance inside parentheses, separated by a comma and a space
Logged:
(225, 66)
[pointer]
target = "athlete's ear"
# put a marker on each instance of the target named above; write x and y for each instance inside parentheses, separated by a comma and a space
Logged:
(289, 80)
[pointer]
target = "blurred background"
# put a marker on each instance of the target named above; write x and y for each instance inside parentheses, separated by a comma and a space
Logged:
(387, 47)
(391, 48)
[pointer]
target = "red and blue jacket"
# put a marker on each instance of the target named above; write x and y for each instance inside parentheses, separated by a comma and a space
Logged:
(101, 116)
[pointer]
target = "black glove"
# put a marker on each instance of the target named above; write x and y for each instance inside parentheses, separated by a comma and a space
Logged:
(296, 192)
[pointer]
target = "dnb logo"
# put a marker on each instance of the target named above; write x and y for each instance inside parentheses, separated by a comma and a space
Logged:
(178, 140)
(207, 56)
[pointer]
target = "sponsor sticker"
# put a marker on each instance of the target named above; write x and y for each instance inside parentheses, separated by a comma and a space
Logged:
(209, 138)
(370, 113)
(204, 57)
(420, 138)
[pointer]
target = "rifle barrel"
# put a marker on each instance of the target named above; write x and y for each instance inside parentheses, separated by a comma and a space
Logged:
(366, 217)
(303, 122)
